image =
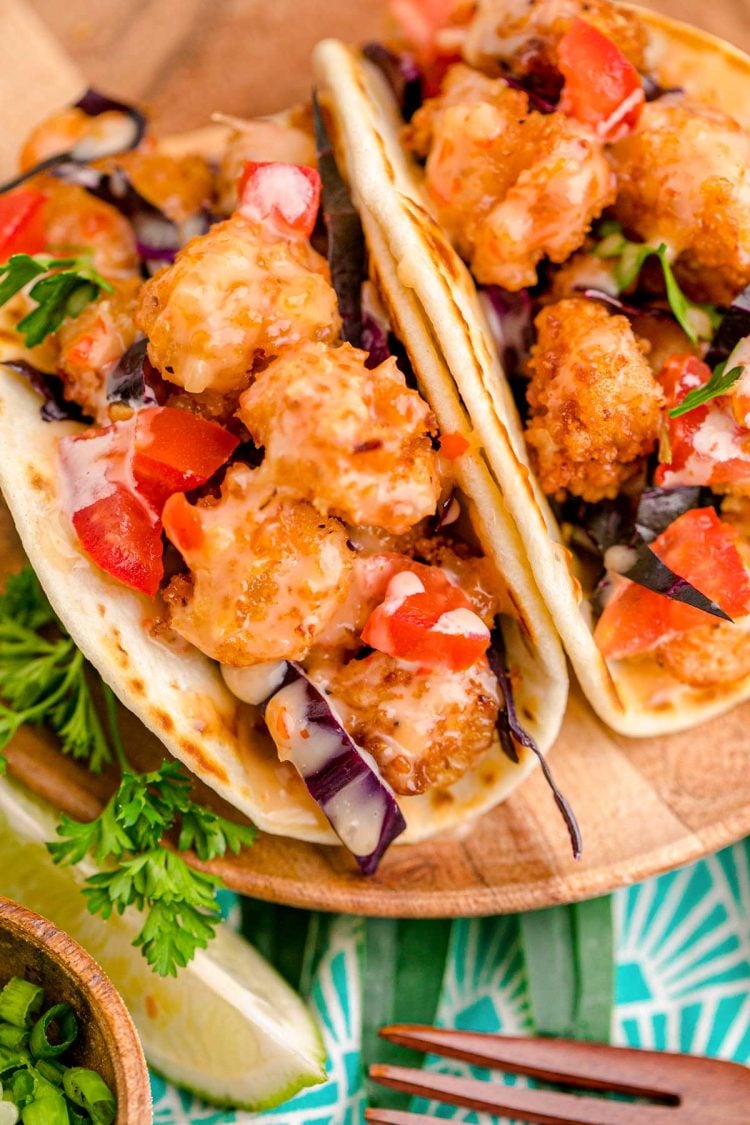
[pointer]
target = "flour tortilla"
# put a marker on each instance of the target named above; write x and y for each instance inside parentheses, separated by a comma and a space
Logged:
(179, 694)
(636, 700)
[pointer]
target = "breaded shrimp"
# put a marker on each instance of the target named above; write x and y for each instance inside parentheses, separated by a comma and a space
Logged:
(424, 728)
(92, 343)
(712, 654)
(355, 442)
(235, 296)
(509, 185)
(595, 404)
(267, 571)
(523, 34)
(76, 222)
(180, 186)
(683, 177)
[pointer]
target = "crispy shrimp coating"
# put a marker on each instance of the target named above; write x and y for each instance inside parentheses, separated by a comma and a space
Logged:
(267, 573)
(356, 442)
(710, 655)
(583, 271)
(235, 297)
(424, 728)
(510, 186)
(62, 131)
(523, 35)
(92, 343)
(286, 137)
(76, 222)
(595, 404)
(180, 186)
(683, 177)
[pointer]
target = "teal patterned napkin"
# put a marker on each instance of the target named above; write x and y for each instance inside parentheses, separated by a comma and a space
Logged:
(682, 981)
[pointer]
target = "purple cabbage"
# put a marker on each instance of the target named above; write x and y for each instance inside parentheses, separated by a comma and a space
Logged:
(653, 90)
(624, 308)
(374, 339)
(92, 103)
(536, 101)
(341, 777)
(55, 407)
(512, 326)
(734, 326)
(126, 382)
(402, 74)
(512, 734)
(346, 239)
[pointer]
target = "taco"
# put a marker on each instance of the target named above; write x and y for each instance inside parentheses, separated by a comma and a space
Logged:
(249, 488)
(589, 163)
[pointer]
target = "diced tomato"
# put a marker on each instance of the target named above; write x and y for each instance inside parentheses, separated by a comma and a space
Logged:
(428, 620)
(118, 478)
(700, 548)
(123, 537)
(602, 87)
(723, 456)
(182, 523)
(421, 20)
(176, 451)
(286, 194)
(453, 446)
(22, 223)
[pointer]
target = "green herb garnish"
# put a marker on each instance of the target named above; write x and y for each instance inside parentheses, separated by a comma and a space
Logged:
(720, 382)
(43, 678)
(64, 287)
(697, 321)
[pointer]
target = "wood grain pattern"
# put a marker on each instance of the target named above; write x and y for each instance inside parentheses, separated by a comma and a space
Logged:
(32, 947)
(644, 807)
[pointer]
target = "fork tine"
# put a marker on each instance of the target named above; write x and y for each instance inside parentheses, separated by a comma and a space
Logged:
(539, 1106)
(591, 1066)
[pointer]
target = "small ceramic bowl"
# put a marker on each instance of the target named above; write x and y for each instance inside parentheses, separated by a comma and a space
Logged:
(33, 948)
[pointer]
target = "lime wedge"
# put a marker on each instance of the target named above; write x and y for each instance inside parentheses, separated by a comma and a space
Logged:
(228, 1028)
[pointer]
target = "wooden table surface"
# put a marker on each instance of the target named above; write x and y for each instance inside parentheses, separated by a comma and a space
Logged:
(182, 56)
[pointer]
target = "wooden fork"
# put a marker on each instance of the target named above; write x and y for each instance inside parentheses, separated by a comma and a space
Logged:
(682, 1090)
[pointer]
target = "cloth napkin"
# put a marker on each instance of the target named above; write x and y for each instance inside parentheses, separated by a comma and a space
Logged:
(678, 947)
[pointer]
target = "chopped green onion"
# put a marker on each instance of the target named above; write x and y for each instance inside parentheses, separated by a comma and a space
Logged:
(48, 1109)
(11, 1036)
(88, 1089)
(21, 1087)
(20, 1001)
(11, 1058)
(76, 1118)
(51, 1070)
(60, 1019)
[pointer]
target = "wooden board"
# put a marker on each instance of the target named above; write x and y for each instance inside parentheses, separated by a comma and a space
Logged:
(644, 807)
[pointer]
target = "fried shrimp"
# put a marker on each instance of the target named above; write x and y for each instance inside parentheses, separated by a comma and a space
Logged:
(424, 728)
(510, 185)
(707, 656)
(267, 571)
(683, 178)
(356, 442)
(235, 296)
(595, 404)
(523, 35)
(76, 222)
(180, 186)
(92, 343)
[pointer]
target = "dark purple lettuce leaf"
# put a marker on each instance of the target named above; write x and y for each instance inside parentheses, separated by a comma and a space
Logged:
(512, 326)
(627, 309)
(512, 734)
(92, 103)
(343, 778)
(126, 382)
(734, 326)
(402, 75)
(658, 507)
(374, 339)
(346, 239)
(55, 407)
(651, 572)
(537, 101)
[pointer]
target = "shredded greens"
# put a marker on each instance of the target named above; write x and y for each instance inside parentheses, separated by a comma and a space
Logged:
(43, 679)
(698, 322)
(720, 382)
(64, 287)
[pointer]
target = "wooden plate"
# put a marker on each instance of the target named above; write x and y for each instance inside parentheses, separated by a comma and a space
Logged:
(644, 807)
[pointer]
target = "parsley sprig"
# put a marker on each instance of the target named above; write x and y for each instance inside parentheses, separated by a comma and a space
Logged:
(698, 322)
(42, 679)
(63, 288)
(720, 382)
(43, 676)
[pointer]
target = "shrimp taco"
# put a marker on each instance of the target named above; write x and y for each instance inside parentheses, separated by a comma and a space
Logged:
(590, 163)
(241, 471)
